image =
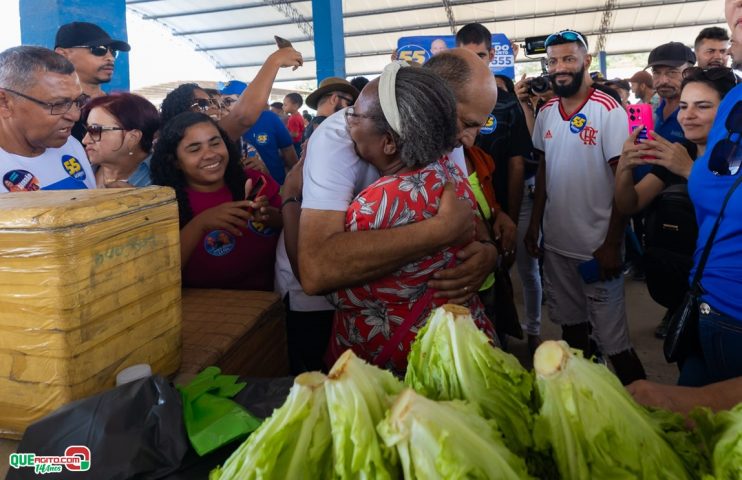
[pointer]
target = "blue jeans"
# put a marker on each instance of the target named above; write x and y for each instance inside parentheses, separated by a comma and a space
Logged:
(721, 350)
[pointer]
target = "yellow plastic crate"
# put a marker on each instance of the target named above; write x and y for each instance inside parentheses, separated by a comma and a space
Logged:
(89, 285)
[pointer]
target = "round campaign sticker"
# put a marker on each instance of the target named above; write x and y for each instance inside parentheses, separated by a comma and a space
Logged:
(219, 243)
(577, 123)
(261, 138)
(73, 167)
(20, 181)
(261, 229)
(489, 126)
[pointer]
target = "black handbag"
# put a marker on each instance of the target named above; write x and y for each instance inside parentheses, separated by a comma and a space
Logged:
(682, 331)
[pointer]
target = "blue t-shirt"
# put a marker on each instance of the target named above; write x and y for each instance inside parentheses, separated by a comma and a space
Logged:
(269, 135)
(722, 276)
(669, 128)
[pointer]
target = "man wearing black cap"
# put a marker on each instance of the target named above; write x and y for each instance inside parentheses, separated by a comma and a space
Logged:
(667, 63)
(93, 53)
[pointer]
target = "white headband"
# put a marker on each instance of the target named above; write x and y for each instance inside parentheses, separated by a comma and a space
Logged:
(388, 94)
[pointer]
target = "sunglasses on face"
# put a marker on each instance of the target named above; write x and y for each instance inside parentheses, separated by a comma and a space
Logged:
(100, 50)
(565, 36)
(95, 131)
(204, 104)
(726, 157)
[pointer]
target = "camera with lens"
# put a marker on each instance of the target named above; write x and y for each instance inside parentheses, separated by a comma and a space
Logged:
(539, 85)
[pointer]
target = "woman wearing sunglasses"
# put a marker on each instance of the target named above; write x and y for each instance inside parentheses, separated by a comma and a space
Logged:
(246, 110)
(701, 95)
(120, 130)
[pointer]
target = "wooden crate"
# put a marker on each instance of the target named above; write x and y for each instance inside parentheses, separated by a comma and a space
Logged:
(241, 332)
(89, 285)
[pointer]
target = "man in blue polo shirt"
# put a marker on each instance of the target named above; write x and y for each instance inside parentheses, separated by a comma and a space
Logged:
(668, 62)
(268, 135)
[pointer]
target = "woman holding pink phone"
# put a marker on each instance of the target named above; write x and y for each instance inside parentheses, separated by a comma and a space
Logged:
(229, 217)
(701, 94)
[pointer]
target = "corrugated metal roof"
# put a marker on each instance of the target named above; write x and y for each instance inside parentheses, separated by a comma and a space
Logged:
(238, 34)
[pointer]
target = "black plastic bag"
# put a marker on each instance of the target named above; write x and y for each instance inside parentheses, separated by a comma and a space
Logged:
(133, 431)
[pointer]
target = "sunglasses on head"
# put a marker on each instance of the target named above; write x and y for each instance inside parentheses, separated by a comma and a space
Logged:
(712, 74)
(100, 50)
(565, 36)
(726, 157)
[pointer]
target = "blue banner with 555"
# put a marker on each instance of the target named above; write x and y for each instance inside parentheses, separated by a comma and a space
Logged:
(420, 49)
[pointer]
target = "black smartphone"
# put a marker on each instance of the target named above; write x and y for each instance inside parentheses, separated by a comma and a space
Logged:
(282, 42)
(257, 189)
(590, 271)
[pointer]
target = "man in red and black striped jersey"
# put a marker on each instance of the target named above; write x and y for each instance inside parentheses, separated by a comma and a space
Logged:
(578, 138)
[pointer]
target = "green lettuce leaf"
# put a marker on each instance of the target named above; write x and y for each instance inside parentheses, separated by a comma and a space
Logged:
(358, 396)
(722, 434)
(293, 443)
(447, 440)
(592, 425)
(452, 359)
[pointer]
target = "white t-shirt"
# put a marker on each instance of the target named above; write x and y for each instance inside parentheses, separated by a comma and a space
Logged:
(579, 178)
(64, 168)
(333, 172)
(333, 176)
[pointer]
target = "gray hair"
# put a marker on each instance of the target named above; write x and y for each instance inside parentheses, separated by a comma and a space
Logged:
(19, 65)
(453, 69)
(427, 111)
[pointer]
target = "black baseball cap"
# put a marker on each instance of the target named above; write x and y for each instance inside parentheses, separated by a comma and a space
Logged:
(673, 54)
(84, 34)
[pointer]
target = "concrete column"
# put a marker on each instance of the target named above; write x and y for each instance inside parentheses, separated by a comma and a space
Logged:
(329, 47)
(40, 20)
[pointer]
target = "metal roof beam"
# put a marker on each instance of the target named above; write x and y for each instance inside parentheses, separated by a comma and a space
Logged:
(205, 11)
(362, 13)
(510, 18)
(593, 32)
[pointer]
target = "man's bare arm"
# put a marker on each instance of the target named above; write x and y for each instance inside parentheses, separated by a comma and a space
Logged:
(716, 396)
(289, 156)
(331, 258)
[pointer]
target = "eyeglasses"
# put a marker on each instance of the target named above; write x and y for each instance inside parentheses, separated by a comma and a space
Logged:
(713, 74)
(726, 157)
(100, 50)
(228, 101)
(350, 112)
(204, 104)
(565, 36)
(59, 108)
(95, 131)
(348, 100)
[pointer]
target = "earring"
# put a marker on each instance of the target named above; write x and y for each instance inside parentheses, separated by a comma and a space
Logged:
(131, 153)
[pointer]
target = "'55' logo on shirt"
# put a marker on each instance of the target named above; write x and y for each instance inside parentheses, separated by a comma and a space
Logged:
(73, 167)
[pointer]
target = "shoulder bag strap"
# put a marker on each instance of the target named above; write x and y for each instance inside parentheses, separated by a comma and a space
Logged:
(707, 249)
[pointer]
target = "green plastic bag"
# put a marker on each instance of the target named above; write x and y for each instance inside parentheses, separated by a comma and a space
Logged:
(211, 418)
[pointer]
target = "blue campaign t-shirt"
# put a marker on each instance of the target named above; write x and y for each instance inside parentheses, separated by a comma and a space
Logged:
(722, 276)
(269, 135)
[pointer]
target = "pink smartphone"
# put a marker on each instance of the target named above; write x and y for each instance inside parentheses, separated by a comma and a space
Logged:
(640, 115)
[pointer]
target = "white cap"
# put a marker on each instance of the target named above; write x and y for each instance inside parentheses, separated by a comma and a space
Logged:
(135, 372)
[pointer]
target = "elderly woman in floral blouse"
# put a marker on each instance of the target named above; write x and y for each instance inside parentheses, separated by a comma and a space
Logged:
(404, 124)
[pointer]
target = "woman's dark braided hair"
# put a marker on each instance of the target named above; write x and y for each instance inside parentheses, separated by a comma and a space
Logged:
(166, 170)
(177, 101)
